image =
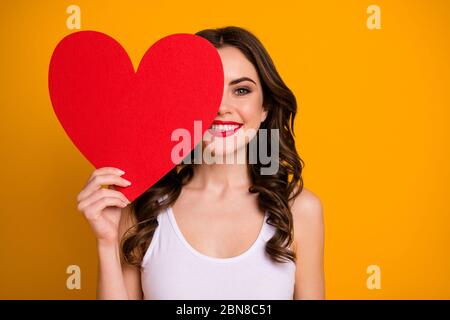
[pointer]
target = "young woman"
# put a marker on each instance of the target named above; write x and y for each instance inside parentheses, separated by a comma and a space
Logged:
(217, 231)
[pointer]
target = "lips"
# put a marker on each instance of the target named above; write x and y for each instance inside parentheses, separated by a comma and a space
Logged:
(220, 128)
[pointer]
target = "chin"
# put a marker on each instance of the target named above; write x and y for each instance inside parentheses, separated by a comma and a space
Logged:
(220, 155)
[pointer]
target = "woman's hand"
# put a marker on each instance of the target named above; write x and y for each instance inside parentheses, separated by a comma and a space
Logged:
(102, 207)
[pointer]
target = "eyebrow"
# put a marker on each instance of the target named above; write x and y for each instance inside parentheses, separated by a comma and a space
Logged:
(241, 79)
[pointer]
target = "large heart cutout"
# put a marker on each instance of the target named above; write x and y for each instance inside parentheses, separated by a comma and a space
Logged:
(121, 118)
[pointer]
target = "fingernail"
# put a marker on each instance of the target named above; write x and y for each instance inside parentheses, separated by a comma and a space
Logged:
(121, 172)
(127, 182)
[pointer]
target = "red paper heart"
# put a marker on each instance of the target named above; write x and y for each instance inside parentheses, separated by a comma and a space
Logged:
(121, 118)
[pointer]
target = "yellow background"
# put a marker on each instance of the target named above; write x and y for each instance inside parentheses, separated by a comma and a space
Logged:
(372, 128)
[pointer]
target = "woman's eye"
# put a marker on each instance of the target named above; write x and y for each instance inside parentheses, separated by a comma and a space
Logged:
(242, 91)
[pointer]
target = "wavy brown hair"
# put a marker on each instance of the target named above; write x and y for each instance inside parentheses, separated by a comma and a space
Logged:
(274, 191)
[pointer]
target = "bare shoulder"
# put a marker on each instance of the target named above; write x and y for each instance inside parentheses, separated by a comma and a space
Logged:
(307, 213)
(306, 205)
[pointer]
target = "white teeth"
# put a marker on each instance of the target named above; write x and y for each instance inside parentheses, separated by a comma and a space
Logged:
(223, 127)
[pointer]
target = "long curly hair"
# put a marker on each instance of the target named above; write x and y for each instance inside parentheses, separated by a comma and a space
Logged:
(274, 191)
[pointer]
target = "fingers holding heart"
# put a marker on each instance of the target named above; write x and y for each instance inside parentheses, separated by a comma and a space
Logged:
(98, 179)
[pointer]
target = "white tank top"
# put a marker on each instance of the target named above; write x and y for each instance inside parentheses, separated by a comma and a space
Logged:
(174, 270)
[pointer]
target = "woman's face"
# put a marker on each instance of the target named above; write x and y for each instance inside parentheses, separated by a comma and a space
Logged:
(242, 105)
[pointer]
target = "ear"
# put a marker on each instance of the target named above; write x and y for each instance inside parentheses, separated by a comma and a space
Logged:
(264, 114)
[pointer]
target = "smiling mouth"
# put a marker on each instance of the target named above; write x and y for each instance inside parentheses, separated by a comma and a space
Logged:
(224, 130)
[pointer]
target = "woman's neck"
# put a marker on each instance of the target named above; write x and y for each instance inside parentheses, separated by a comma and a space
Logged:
(220, 178)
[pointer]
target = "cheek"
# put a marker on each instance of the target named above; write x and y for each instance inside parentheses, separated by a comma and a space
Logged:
(251, 114)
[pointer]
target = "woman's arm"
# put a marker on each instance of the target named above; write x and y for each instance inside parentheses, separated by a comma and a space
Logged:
(109, 215)
(307, 212)
(116, 279)
(111, 283)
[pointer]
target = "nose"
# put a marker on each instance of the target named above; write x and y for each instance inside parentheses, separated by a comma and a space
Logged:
(225, 106)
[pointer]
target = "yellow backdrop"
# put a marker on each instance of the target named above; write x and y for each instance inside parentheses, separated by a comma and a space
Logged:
(374, 110)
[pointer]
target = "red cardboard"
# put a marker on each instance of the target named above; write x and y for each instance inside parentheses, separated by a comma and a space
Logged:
(121, 118)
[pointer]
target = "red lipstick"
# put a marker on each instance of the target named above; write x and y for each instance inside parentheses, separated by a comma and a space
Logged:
(226, 122)
(218, 130)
